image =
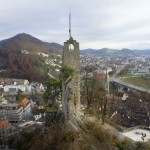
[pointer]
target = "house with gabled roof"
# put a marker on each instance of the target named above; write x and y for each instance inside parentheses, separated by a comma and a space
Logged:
(25, 103)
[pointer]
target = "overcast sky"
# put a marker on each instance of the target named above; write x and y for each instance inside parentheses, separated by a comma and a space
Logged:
(95, 23)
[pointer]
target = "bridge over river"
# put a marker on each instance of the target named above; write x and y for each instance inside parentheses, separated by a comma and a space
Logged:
(127, 85)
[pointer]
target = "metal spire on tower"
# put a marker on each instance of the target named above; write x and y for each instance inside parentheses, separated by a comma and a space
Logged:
(70, 24)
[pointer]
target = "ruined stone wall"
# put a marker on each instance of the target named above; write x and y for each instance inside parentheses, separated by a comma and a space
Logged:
(71, 90)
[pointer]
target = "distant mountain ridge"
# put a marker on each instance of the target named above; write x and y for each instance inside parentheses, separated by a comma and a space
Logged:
(142, 52)
(57, 46)
(27, 42)
(115, 52)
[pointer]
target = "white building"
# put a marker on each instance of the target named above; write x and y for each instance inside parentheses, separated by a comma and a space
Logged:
(25, 103)
(15, 88)
(14, 112)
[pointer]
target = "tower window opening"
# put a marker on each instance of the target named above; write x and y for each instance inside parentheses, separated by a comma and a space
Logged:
(71, 47)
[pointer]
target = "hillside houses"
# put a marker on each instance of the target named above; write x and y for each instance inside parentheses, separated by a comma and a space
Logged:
(14, 85)
(12, 106)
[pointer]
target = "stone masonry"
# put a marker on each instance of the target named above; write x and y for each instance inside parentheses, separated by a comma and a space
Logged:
(71, 87)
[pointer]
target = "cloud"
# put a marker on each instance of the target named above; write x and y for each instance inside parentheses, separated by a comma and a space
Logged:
(95, 24)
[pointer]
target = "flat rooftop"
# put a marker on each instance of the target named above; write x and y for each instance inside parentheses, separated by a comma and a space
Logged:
(137, 134)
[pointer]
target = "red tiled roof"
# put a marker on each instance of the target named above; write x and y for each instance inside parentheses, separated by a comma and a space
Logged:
(24, 102)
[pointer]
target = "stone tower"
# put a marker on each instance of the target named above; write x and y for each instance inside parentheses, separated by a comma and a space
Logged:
(71, 87)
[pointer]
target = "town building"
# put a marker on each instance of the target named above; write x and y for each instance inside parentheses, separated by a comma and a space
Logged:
(3, 122)
(14, 112)
(25, 103)
(16, 88)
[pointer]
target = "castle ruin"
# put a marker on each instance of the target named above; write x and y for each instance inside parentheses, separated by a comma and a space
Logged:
(71, 87)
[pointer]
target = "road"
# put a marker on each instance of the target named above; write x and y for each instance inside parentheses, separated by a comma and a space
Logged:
(117, 80)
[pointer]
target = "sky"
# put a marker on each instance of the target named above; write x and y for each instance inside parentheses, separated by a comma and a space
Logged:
(95, 24)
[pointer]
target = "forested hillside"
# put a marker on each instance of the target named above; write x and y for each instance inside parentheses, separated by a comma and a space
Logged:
(20, 57)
